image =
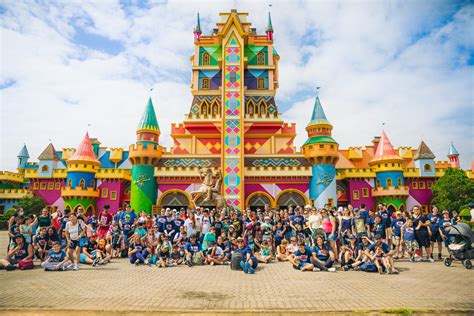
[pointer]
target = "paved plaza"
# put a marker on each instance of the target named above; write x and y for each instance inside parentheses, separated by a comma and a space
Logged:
(275, 287)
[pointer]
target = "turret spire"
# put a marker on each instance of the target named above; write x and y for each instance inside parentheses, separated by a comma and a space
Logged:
(85, 152)
(385, 150)
(148, 121)
(269, 30)
(318, 116)
(197, 29)
(453, 156)
(23, 152)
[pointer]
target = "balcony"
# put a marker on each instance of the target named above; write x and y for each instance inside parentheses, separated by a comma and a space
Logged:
(390, 191)
(79, 192)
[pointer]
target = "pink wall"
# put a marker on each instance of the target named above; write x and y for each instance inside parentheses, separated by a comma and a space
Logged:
(423, 196)
(174, 186)
(251, 188)
(359, 185)
(49, 196)
(111, 185)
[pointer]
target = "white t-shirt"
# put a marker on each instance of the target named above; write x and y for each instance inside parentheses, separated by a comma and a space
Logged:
(218, 252)
(315, 221)
(206, 225)
(198, 218)
(75, 230)
(190, 230)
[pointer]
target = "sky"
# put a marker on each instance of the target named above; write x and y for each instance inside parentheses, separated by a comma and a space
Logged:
(68, 67)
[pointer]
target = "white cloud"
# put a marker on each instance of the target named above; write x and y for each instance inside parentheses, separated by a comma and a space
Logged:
(402, 63)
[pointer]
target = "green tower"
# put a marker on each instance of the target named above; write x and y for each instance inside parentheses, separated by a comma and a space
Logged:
(144, 155)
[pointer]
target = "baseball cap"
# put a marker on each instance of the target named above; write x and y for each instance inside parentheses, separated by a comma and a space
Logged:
(398, 213)
(356, 210)
(378, 236)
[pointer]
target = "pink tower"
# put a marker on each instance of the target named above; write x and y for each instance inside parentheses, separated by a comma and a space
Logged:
(453, 156)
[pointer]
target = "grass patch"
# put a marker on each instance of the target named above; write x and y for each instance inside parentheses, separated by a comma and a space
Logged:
(403, 311)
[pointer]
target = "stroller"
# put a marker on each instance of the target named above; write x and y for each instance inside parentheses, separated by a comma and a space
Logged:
(460, 248)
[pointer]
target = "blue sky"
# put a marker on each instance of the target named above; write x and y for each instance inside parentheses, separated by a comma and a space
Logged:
(68, 67)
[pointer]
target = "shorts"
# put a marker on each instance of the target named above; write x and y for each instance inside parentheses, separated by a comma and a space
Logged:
(74, 244)
(397, 237)
(12, 261)
(115, 246)
(82, 258)
(332, 239)
(436, 237)
(304, 264)
(422, 238)
(412, 245)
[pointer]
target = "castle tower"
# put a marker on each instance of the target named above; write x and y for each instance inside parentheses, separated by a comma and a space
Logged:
(453, 156)
(143, 156)
(23, 157)
(80, 189)
(269, 29)
(48, 161)
(389, 182)
(321, 150)
(424, 160)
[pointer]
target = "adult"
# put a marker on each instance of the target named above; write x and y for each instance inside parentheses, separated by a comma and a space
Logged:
(329, 226)
(434, 217)
(372, 252)
(21, 251)
(422, 232)
(44, 220)
(248, 263)
(75, 229)
(322, 256)
(193, 251)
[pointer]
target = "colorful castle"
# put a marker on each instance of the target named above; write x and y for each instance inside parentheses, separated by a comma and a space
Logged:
(233, 124)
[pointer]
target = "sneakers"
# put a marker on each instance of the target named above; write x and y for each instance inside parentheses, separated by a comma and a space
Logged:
(75, 268)
(94, 262)
(440, 257)
(246, 267)
(189, 263)
(212, 263)
(251, 270)
(316, 269)
(332, 269)
(345, 268)
(431, 260)
(10, 267)
(226, 263)
(412, 259)
(137, 262)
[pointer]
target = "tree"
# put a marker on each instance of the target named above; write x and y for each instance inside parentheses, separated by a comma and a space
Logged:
(31, 205)
(453, 190)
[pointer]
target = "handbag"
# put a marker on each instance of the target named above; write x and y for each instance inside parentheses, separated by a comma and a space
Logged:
(26, 264)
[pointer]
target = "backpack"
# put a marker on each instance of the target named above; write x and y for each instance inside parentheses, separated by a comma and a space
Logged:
(235, 260)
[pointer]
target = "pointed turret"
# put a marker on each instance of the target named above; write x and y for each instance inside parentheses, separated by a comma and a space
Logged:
(423, 152)
(143, 156)
(385, 151)
(84, 153)
(49, 153)
(424, 160)
(453, 156)
(321, 150)
(197, 29)
(269, 30)
(23, 157)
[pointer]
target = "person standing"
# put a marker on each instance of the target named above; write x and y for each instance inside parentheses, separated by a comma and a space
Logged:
(434, 218)
(422, 232)
(105, 219)
(74, 230)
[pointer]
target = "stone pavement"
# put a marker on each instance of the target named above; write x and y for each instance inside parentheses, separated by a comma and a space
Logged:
(275, 287)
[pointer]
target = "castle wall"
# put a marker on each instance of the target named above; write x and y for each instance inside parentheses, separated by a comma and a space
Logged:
(359, 186)
(107, 195)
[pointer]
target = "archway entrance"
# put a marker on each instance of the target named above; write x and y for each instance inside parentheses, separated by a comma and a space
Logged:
(291, 197)
(258, 200)
(174, 199)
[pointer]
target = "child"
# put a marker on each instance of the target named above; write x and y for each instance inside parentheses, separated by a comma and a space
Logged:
(396, 225)
(177, 255)
(115, 240)
(379, 259)
(27, 228)
(282, 251)
(57, 259)
(40, 244)
(302, 259)
(265, 253)
(215, 255)
(408, 237)
(164, 258)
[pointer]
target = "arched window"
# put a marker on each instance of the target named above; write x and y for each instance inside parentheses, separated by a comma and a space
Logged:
(205, 83)
(389, 183)
(69, 183)
(44, 168)
(261, 58)
(204, 107)
(400, 184)
(427, 167)
(215, 108)
(263, 108)
(93, 184)
(260, 83)
(82, 183)
(251, 108)
(205, 59)
(377, 183)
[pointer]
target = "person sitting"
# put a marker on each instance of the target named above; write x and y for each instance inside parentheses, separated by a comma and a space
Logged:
(282, 251)
(20, 251)
(193, 251)
(136, 250)
(215, 254)
(265, 255)
(177, 255)
(383, 252)
(302, 258)
(164, 258)
(57, 259)
(323, 257)
(249, 263)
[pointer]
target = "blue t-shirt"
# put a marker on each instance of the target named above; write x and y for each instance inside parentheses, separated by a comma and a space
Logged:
(56, 257)
(364, 214)
(305, 256)
(41, 241)
(298, 220)
(434, 222)
(246, 250)
(322, 253)
(397, 224)
(444, 224)
(132, 215)
(178, 222)
(385, 218)
(169, 226)
(380, 229)
(408, 233)
(385, 247)
(193, 248)
(127, 226)
(161, 220)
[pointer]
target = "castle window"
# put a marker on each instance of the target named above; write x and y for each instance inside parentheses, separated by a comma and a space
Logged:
(104, 193)
(321, 146)
(310, 147)
(205, 83)
(51, 186)
(261, 58)
(113, 195)
(386, 165)
(263, 109)
(332, 146)
(204, 107)
(69, 183)
(365, 192)
(57, 186)
(36, 186)
(377, 183)
(43, 186)
(427, 167)
(205, 59)
(93, 183)
(215, 108)
(260, 83)
(355, 194)
(400, 184)
(430, 185)
(82, 183)
(422, 185)
(44, 168)
(414, 185)
(389, 182)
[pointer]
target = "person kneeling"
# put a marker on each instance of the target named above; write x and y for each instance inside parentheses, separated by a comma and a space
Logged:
(57, 259)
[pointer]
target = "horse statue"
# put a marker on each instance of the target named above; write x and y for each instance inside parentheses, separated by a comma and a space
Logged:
(211, 187)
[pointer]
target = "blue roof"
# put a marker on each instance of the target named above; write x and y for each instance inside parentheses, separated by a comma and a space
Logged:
(452, 150)
(318, 117)
(23, 152)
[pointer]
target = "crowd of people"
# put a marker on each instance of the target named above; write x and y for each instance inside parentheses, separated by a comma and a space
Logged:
(310, 239)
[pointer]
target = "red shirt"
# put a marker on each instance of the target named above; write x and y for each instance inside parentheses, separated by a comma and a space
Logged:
(105, 219)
